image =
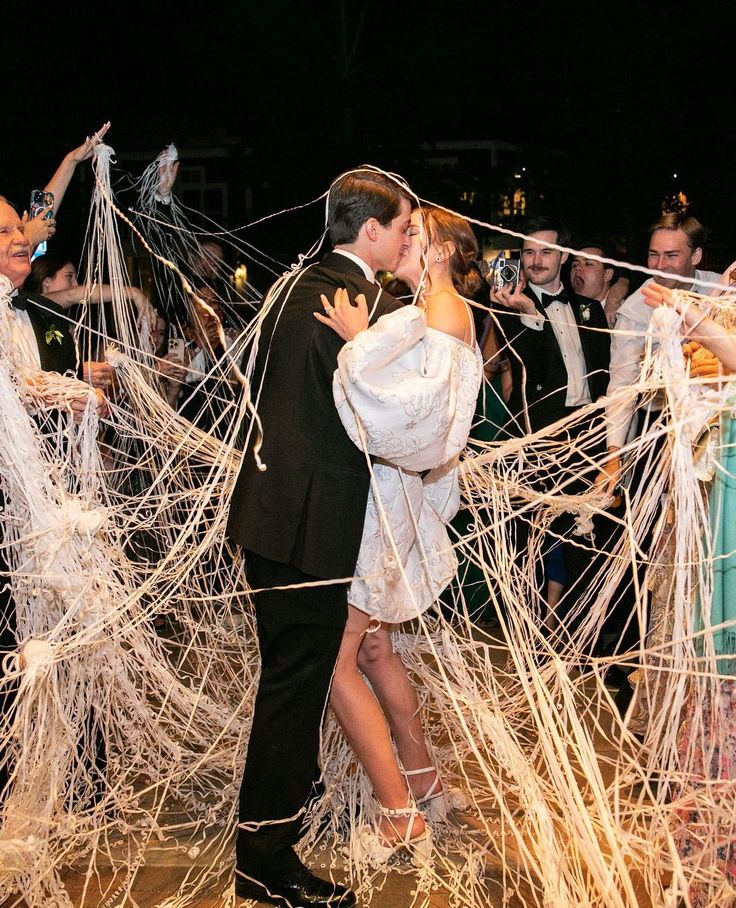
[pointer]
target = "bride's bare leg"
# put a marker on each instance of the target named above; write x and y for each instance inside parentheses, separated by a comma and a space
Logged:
(364, 724)
(398, 698)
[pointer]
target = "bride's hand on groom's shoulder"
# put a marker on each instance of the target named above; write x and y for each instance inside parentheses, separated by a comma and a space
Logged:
(342, 316)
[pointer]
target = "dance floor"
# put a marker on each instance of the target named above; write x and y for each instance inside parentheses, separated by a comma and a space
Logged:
(153, 877)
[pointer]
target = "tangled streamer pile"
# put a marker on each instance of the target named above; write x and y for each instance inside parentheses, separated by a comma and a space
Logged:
(134, 677)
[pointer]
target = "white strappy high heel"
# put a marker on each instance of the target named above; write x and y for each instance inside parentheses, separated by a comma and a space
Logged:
(433, 803)
(437, 802)
(370, 847)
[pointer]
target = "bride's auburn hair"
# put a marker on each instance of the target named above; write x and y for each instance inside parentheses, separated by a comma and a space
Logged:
(444, 227)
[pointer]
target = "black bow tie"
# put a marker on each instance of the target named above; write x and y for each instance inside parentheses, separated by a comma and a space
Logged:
(559, 297)
(18, 302)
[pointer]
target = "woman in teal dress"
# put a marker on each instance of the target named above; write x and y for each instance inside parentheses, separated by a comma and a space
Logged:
(706, 830)
(469, 591)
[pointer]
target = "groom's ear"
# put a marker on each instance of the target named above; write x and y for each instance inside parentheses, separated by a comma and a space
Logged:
(370, 227)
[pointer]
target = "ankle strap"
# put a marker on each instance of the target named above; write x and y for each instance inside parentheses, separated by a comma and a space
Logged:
(411, 810)
(417, 772)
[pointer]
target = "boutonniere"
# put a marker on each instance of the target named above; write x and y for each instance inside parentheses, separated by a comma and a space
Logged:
(53, 334)
(585, 312)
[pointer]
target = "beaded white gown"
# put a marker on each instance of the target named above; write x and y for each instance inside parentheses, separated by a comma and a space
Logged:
(406, 394)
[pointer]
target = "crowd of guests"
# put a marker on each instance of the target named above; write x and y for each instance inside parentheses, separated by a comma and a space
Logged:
(566, 346)
(59, 325)
(566, 333)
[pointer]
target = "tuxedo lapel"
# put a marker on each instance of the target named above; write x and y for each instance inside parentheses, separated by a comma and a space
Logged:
(52, 329)
(588, 339)
(595, 339)
(341, 264)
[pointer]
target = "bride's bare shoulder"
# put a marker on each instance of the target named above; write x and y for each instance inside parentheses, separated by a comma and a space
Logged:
(448, 312)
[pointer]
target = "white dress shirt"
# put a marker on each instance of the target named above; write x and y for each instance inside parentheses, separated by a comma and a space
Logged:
(562, 319)
(627, 354)
(24, 337)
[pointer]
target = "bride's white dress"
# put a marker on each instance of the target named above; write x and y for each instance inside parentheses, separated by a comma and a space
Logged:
(406, 394)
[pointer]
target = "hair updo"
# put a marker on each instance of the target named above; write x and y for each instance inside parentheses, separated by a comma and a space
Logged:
(444, 227)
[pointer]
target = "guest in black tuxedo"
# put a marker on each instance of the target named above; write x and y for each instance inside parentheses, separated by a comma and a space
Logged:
(300, 522)
(43, 336)
(558, 347)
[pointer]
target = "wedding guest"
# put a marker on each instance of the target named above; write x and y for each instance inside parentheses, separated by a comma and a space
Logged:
(43, 341)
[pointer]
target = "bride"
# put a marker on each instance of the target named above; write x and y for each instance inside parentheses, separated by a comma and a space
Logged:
(406, 391)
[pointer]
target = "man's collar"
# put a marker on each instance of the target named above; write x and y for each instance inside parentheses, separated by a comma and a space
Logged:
(364, 267)
(538, 291)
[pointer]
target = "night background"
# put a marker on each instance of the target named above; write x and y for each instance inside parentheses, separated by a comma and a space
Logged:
(593, 107)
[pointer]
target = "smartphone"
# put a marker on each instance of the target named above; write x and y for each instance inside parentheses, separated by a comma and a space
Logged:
(40, 200)
(176, 346)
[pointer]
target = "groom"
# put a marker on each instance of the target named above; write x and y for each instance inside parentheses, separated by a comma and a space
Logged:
(300, 522)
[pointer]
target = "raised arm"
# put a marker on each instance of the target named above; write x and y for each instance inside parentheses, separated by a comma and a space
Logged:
(696, 324)
(65, 171)
(102, 293)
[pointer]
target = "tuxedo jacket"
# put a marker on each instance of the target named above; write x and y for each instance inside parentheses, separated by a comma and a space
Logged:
(307, 509)
(51, 325)
(537, 366)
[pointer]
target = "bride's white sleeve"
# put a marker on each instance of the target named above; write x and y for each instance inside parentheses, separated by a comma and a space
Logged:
(406, 394)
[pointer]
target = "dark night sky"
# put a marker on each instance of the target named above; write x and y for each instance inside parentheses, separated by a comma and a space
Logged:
(631, 92)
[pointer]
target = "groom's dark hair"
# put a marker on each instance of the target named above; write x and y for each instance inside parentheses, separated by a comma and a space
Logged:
(358, 195)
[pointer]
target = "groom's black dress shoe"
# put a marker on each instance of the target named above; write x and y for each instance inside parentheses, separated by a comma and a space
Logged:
(296, 887)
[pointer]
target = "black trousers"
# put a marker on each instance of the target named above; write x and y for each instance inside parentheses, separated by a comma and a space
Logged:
(622, 622)
(299, 634)
(8, 689)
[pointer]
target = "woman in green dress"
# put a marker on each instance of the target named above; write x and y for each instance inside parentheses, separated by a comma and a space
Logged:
(706, 833)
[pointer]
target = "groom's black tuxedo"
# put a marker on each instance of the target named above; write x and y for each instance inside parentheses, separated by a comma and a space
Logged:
(300, 521)
(307, 508)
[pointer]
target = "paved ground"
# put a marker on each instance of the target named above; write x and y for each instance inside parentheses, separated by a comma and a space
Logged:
(167, 866)
(164, 871)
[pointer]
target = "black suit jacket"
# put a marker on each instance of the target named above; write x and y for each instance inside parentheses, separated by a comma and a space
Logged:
(537, 366)
(307, 509)
(52, 328)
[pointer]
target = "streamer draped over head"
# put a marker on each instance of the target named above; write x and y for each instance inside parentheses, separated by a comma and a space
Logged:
(361, 193)
(565, 806)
